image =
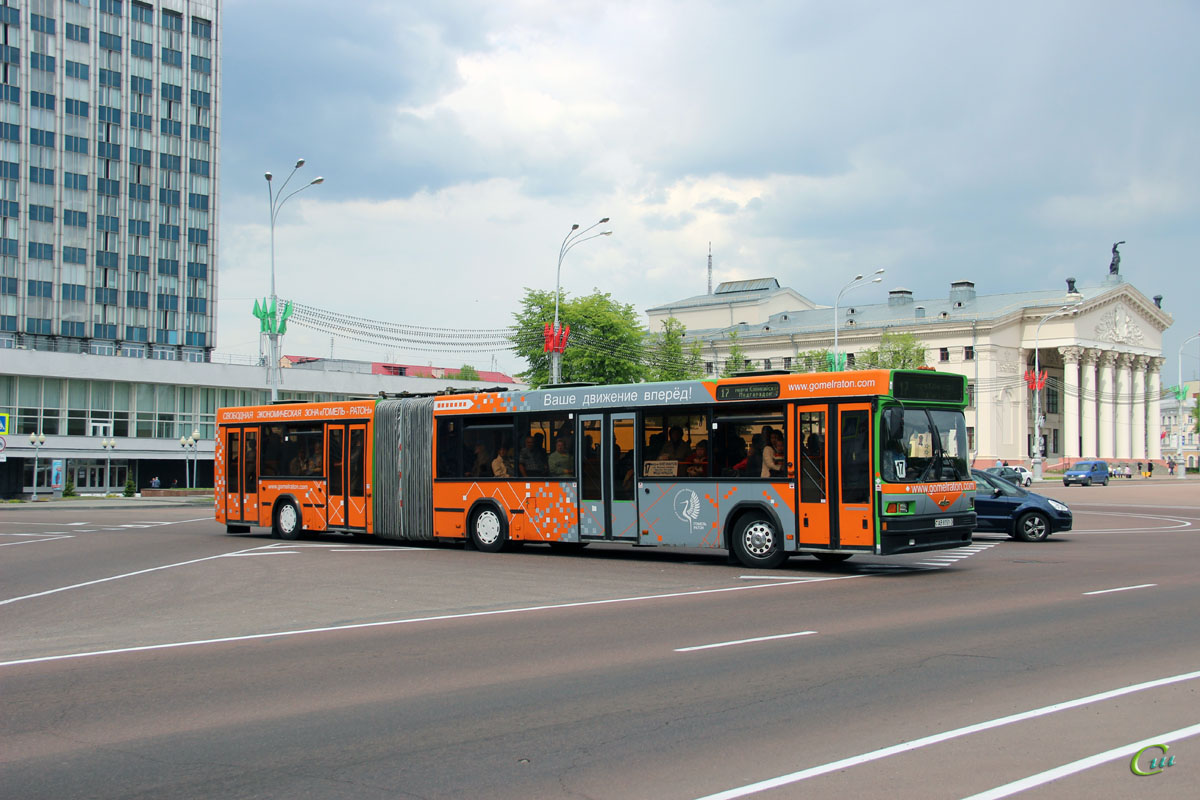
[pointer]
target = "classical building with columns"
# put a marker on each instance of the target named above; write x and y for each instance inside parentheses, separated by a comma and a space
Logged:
(1102, 357)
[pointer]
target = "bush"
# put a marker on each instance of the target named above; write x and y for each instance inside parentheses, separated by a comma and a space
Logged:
(69, 489)
(130, 487)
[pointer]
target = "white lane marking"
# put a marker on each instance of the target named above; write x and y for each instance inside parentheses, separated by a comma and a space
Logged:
(382, 550)
(114, 578)
(1123, 588)
(409, 621)
(743, 641)
(37, 537)
(263, 553)
(786, 578)
(1049, 775)
(1181, 523)
(26, 522)
(938, 738)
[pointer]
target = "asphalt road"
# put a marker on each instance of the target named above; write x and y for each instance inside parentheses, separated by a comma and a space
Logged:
(146, 654)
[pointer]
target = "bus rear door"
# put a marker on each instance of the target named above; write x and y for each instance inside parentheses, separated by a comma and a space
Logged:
(856, 507)
(813, 523)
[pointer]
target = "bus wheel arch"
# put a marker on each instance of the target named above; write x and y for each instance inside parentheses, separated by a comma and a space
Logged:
(755, 537)
(487, 527)
(287, 521)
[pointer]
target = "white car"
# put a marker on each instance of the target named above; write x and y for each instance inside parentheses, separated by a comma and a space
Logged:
(1026, 475)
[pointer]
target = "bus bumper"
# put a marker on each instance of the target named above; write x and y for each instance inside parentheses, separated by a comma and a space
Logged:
(916, 536)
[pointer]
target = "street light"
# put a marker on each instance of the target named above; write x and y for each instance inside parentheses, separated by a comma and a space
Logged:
(188, 443)
(273, 375)
(36, 440)
(1180, 469)
(575, 237)
(1037, 392)
(108, 445)
(857, 282)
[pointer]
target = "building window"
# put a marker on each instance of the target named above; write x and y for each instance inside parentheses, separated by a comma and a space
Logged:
(944, 354)
(971, 438)
(970, 395)
(77, 33)
(969, 353)
(1051, 401)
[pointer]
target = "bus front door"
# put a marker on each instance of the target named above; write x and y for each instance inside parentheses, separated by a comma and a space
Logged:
(813, 522)
(607, 501)
(346, 457)
(855, 495)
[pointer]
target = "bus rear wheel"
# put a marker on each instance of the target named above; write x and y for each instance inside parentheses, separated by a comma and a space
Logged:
(488, 531)
(287, 521)
(758, 544)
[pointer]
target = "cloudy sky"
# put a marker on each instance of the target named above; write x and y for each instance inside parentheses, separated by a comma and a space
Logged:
(1009, 143)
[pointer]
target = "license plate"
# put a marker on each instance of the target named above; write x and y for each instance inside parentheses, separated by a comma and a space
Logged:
(944, 522)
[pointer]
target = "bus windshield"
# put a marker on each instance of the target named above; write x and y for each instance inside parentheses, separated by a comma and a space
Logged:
(923, 444)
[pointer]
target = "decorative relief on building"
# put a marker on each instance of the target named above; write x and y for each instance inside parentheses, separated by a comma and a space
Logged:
(1116, 326)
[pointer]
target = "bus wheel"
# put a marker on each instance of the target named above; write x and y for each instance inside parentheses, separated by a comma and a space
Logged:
(488, 532)
(1033, 527)
(757, 543)
(287, 521)
(832, 558)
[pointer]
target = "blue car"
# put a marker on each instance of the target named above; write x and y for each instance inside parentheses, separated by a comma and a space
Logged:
(1007, 508)
(1085, 473)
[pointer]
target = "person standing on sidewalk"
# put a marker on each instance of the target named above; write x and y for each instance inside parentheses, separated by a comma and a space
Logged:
(1149, 469)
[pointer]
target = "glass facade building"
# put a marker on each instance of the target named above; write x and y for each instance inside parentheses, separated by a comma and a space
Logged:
(109, 135)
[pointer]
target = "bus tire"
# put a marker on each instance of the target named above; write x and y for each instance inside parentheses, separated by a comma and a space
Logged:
(287, 521)
(1032, 527)
(758, 543)
(488, 530)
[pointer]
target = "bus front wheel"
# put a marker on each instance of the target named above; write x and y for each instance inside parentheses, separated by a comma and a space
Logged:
(287, 521)
(758, 544)
(488, 531)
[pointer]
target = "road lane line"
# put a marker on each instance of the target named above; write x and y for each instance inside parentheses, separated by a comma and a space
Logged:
(938, 738)
(499, 612)
(115, 578)
(1123, 588)
(743, 641)
(1049, 775)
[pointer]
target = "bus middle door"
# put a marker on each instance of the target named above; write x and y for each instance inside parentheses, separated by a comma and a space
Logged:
(813, 522)
(607, 500)
(347, 501)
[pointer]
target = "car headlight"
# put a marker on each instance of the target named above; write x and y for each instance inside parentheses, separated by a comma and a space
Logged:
(1057, 506)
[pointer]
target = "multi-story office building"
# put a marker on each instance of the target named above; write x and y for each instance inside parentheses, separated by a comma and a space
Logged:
(109, 134)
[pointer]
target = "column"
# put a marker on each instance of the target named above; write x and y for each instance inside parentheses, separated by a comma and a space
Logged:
(1106, 405)
(1023, 417)
(1140, 450)
(1123, 406)
(1087, 403)
(1153, 414)
(1070, 400)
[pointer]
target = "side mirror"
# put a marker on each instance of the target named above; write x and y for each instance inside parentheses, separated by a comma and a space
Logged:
(996, 492)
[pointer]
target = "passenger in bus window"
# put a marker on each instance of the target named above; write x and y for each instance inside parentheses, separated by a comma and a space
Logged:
(482, 468)
(772, 455)
(532, 462)
(502, 464)
(675, 448)
(754, 460)
(562, 461)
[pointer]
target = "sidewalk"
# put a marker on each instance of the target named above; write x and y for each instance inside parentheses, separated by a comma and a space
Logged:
(100, 502)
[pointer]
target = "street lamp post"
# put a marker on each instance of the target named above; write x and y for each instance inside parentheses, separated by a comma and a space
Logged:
(189, 445)
(195, 437)
(108, 445)
(1180, 396)
(575, 237)
(273, 376)
(857, 282)
(36, 440)
(1037, 392)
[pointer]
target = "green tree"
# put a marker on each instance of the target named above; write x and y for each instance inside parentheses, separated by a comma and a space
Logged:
(736, 361)
(606, 344)
(895, 351)
(811, 361)
(669, 359)
(468, 373)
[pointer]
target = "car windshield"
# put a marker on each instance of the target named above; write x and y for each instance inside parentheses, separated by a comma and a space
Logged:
(923, 445)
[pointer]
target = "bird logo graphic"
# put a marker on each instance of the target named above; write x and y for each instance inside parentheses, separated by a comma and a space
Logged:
(687, 506)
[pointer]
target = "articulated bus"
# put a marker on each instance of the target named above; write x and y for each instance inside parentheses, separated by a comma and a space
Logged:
(765, 466)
